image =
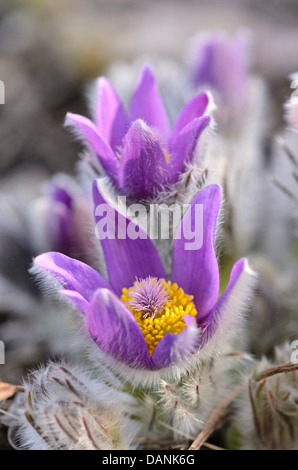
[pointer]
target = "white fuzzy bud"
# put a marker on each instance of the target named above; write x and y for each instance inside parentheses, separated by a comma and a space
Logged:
(267, 417)
(62, 408)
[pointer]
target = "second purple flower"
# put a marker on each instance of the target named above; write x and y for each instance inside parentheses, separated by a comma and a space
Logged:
(138, 150)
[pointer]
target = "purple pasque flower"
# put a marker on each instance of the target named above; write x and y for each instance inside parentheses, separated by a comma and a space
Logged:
(52, 216)
(59, 213)
(139, 317)
(61, 216)
(138, 150)
(219, 62)
(56, 219)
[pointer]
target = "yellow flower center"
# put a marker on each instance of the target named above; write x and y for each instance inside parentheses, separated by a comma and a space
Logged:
(158, 307)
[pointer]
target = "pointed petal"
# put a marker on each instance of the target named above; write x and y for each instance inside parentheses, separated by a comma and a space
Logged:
(60, 194)
(103, 150)
(73, 275)
(110, 116)
(206, 69)
(222, 65)
(58, 224)
(76, 299)
(143, 169)
(177, 348)
(229, 308)
(127, 258)
(115, 331)
(147, 105)
(195, 268)
(183, 150)
(193, 109)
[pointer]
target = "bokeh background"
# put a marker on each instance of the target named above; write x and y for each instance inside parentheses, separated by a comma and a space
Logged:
(50, 51)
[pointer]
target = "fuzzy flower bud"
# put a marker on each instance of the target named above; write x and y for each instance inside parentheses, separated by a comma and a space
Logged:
(63, 409)
(186, 404)
(267, 417)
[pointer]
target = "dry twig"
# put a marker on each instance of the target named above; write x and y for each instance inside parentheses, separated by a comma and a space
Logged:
(8, 390)
(279, 369)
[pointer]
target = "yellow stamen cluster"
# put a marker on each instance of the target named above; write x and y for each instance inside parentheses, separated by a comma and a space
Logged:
(170, 319)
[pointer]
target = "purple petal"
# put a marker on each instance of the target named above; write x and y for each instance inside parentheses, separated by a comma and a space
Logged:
(77, 299)
(184, 147)
(222, 64)
(115, 331)
(195, 267)
(60, 194)
(126, 258)
(143, 169)
(110, 116)
(102, 149)
(206, 72)
(146, 104)
(176, 348)
(73, 275)
(229, 305)
(193, 109)
(60, 225)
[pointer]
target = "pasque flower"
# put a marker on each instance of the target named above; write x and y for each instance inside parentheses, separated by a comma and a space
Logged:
(61, 216)
(55, 218)
(140, 317)
(220, 63)
(138, 150)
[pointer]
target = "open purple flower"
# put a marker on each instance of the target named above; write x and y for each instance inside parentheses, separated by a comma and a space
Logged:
(140, 317)
(138, 150)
